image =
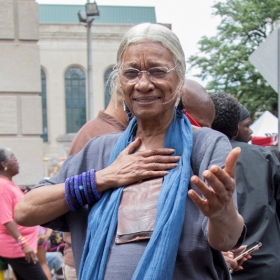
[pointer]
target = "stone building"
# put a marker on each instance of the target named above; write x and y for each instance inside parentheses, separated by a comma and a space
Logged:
(20, 85)
(43, 76)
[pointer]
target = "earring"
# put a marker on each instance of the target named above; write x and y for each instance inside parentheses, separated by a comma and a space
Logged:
(6, 168)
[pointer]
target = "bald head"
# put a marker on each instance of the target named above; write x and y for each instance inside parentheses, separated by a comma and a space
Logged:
(198, 103)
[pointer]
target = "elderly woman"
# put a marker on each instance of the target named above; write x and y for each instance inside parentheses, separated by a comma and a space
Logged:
(140, 201)
(18, 244)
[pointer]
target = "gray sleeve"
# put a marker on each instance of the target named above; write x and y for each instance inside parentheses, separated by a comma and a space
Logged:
(211, 147)
(95, 155)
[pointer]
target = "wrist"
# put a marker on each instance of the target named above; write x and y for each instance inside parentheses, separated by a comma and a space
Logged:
(21, 241)
(103, 181)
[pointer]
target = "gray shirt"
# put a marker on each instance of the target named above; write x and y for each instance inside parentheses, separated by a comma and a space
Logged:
(195, 258)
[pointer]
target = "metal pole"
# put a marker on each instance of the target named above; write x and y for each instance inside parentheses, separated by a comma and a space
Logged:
(278, 81)
(90, 82)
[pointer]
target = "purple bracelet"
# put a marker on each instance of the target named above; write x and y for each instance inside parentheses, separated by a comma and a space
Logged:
(72, 191)
(77, 191)
(67, 196)
(96, 194)
(89, 189)
(84, 183)
(82, 191)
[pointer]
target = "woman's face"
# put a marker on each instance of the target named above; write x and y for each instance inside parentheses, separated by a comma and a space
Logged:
(146, 98)
(12, 164)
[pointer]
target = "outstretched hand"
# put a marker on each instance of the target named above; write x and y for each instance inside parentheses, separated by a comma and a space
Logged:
(219, 195)
(131, 166)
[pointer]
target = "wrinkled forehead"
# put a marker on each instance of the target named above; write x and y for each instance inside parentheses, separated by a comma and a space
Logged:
(152, 52)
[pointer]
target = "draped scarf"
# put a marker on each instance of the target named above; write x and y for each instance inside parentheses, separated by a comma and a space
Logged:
(158, 259)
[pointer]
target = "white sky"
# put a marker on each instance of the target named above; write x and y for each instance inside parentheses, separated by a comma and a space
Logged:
(190, 19)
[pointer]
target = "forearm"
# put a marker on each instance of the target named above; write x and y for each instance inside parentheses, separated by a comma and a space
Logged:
(13, 230)
(41, 205)
(225, 229)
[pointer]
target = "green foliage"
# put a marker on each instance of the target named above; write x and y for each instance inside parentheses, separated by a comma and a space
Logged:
(224, 59)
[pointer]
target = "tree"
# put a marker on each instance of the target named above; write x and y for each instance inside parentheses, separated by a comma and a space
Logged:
(224, 58)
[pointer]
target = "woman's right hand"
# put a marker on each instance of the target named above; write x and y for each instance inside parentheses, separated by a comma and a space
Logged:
(130, 166)
(29, 254)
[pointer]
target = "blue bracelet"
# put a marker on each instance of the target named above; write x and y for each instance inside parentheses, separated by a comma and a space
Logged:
(96, 194)
(88, 186)
(72, 191)
(84, 183)
(81, 188)
(67, 196)
(77, 191)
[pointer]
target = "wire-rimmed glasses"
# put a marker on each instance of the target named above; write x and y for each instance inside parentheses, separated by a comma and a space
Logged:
(156, 74)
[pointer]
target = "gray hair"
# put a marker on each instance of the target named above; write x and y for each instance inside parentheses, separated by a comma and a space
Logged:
(5, 154)
(149, 32)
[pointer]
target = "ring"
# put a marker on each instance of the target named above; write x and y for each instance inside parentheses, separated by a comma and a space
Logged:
(230, 270)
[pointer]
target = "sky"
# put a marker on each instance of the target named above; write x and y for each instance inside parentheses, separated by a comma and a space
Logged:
(190, 19)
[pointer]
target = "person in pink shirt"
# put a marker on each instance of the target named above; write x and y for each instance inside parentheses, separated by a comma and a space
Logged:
(18, 244)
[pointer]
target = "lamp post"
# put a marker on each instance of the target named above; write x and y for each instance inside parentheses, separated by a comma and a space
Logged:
(87, 18)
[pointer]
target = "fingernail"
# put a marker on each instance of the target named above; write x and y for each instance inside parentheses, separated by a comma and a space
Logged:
(206, 174)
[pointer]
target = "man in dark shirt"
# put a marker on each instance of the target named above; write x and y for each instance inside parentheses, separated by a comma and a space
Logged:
(258, 192)
(244, 131)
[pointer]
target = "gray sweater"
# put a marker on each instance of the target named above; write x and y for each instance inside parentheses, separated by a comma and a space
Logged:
(195, 258)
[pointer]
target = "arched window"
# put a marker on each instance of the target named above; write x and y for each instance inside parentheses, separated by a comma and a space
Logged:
(75, 99)
(43, 95)
(107, 93)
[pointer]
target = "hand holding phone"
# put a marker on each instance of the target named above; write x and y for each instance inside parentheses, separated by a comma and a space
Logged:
(249, 250)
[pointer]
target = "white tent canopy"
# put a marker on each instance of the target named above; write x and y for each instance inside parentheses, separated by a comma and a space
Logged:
(265, 130)
(265, 125)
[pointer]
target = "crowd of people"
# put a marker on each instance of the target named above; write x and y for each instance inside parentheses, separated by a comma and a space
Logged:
(162, 184)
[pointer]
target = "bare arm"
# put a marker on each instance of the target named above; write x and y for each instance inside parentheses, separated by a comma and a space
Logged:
(46, 203)
(14, 232)
(225, 225)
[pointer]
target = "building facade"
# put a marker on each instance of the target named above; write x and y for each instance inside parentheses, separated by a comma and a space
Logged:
(20, 87)
(43, 93)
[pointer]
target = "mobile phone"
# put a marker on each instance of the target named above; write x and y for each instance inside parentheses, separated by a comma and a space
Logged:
(249, 250)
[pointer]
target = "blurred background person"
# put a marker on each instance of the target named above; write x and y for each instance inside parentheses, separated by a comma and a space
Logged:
(257, 179)
(43, 237)
(197, 104)
(55, 264)
(18, 244)
(244, 133)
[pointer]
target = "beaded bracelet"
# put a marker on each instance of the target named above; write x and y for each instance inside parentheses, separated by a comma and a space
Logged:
(82, 189)
(21, 241)
(24, 245)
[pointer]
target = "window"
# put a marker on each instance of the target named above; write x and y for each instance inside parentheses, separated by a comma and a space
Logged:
(107, 93)
(43, 94)
(75, 99)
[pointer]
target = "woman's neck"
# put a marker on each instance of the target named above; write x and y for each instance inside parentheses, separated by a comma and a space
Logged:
(152, 135)
(5, 176)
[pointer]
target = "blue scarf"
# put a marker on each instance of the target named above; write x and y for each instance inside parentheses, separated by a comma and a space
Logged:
(159, 258)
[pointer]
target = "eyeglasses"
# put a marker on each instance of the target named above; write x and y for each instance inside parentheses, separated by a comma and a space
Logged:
(156, 74)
